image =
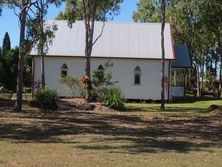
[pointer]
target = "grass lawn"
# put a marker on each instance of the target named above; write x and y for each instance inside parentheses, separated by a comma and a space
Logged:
(183, 136)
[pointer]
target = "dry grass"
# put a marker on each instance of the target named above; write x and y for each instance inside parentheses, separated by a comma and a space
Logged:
(69, 137)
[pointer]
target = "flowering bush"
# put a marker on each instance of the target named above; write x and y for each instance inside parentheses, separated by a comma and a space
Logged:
(86, 82)
(45, 99)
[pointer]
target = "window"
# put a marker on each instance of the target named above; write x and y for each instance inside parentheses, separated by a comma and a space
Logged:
(64, 70)
(101, 68)
(137, 76)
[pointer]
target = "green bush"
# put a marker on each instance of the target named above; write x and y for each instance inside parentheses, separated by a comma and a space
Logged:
(98, 94)
(73, 84)
(101, 80)
(5, 94)
(46, 99)
(113, 98)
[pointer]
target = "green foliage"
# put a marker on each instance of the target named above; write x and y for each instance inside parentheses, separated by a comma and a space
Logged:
(0, 53)
(5, 94)
(148, 11)
(73, 83)
(184, 17)
(40, 35)
(46, 99)
(1, 70)
(101, 79)
(197, 24)
(105, 9)
(104, 90)
(8, 71)
(113, 98)
(6, 44)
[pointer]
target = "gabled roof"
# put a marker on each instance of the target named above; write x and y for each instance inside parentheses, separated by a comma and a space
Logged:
(119, 40)
(183, 59)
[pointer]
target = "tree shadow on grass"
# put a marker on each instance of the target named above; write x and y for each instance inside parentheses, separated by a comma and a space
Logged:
(141, 145)
(191, 99)
(156, 109)
(115, 132)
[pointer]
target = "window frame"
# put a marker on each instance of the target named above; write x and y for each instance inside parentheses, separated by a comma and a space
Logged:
(137, 73)
(64, 69)
(100, 68)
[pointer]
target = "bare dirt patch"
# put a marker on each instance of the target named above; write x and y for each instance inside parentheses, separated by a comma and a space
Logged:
(215, 110)
(77, 102)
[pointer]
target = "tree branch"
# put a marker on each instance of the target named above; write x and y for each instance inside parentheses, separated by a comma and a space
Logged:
(101, 33)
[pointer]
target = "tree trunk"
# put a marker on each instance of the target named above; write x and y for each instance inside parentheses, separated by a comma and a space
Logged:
(87, 72)
(22, 17)
(42, 69)
(90, 13)
(42, 45)
(88, 51)
(198, 81)
(33, 76)
(163, 56)
(220, 79)
(185, 82)
(202, 80)
(220, 73)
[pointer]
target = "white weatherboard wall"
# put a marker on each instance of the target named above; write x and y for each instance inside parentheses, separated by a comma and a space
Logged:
(122, 71)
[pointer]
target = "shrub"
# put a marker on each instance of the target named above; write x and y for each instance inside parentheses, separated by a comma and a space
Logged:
(6, 94)
(98, 94)
(46, 99)
(73, 84)
(101, 80)
(103, 77)
(113, 98)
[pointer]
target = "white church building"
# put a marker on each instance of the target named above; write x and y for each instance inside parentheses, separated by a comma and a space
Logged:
(133, 48)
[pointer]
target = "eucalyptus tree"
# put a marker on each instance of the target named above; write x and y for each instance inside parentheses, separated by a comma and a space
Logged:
(212, 19)
(155, 11)
(163, 21)
(39, 32)
(20, 8)
(181, 14)
(90, 11)
(187, 27)
(24, 9)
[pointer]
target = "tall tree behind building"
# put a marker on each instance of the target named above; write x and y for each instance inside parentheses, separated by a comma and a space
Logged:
(6, 44)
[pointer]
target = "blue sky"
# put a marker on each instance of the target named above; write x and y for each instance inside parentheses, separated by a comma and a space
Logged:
(9, 21)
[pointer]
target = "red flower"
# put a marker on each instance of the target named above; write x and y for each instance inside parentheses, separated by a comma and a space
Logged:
(86, 82)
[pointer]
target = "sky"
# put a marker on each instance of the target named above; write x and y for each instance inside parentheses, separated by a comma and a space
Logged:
(9, 21)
